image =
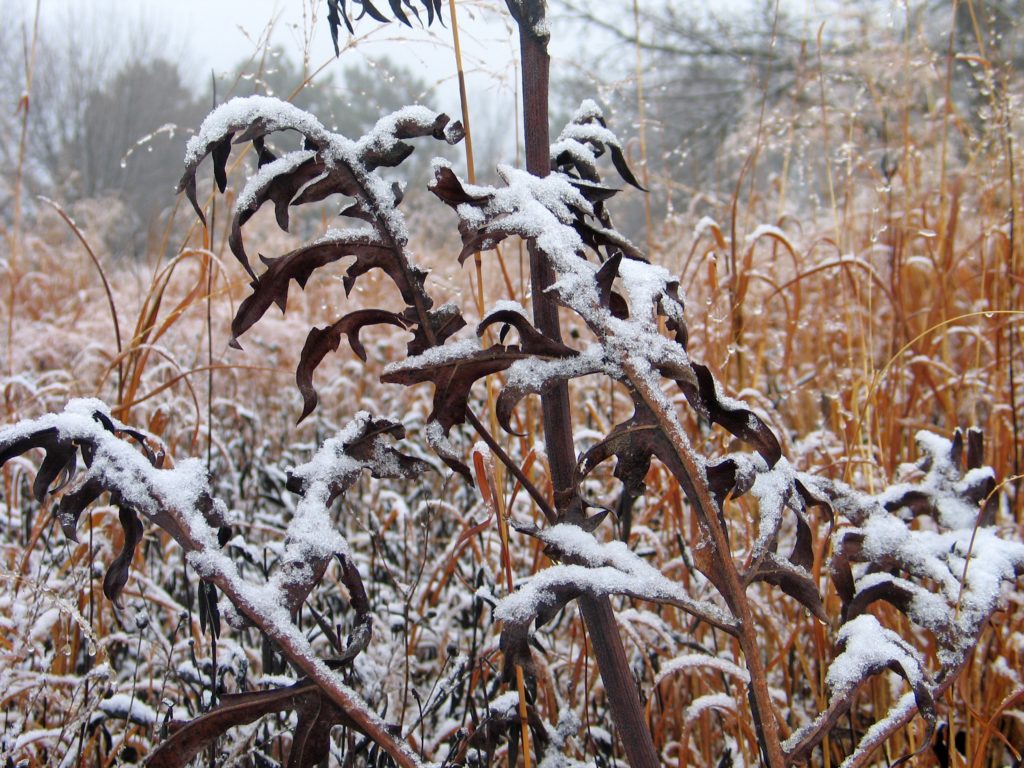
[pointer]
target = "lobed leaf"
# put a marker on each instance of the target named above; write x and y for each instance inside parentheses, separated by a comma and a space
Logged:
(337, 13)
(322, 341)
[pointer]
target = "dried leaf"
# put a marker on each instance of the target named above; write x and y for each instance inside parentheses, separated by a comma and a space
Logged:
(619, 161)
(371, 449)
(362, 623)
(847, 551)
(975, 448)
(322, 341)
(316, 715)
(221, 152)
(272, 286)
(888, 651)
(793, 580)
(337, 13)
(281, 188)
(72, 505)
(594, 192)
(897, 592)
(117, 574)
(453, 377)
(541, 348)
(61, 458)
(209, 613)
(738, 420)
(632, 445)
(367, 8)
(445, 321)
(334, 18)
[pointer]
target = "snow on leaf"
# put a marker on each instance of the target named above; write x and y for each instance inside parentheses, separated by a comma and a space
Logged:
(256, 116)
(868, 648)
(946, 577)
(124, 706)
(328, 164)
(700, 661)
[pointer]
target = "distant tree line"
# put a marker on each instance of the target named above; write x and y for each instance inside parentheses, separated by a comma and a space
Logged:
(108, 120)
(706, 76)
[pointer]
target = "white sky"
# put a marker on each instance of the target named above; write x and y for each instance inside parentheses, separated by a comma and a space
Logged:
(217, 34)
(205, 35)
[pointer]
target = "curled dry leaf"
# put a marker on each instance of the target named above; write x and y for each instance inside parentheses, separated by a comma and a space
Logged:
(708, 400)
(337, 13)
(795, 581)
(117, 574)
(454, 369)
(61, 458)
(322, 341)
(272, 286)
(363, 445)
(328, 164)
(310, 743)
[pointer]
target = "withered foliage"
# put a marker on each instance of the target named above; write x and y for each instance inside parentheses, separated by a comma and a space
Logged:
(338, 12)
(179, 501)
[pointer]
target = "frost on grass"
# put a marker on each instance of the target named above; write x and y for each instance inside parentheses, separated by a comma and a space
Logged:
(180, 501)
(125, 706)
(693, 661)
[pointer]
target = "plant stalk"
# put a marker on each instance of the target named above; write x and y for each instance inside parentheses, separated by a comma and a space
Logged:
(733, 588)
(620, 687)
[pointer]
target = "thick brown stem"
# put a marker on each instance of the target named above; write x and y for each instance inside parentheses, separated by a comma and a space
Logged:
(555, 403)
(623, 697)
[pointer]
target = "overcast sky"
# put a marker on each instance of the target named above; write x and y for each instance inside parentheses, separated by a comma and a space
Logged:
(217, 34)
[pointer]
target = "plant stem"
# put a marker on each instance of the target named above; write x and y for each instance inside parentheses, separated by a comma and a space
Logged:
(507, 462)
(692, 478)
(24, 105)
(623, 697)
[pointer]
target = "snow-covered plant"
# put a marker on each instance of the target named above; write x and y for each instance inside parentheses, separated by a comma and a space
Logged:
(927, 549)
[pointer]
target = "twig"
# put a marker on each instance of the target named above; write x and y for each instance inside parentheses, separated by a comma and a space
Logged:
(512, 467)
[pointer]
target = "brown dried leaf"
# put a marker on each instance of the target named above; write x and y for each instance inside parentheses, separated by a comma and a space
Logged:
(791, 579)
(445, 321)
(322, 341)
(281, 190)
(847, 551)
(310, 745)
(899, 594)
(632, 444)
(739, 421)
(72, 505)
(272, 286)
(453, 378)
(370, 448)
(539, 346)
(61, 458)
(117, 574)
